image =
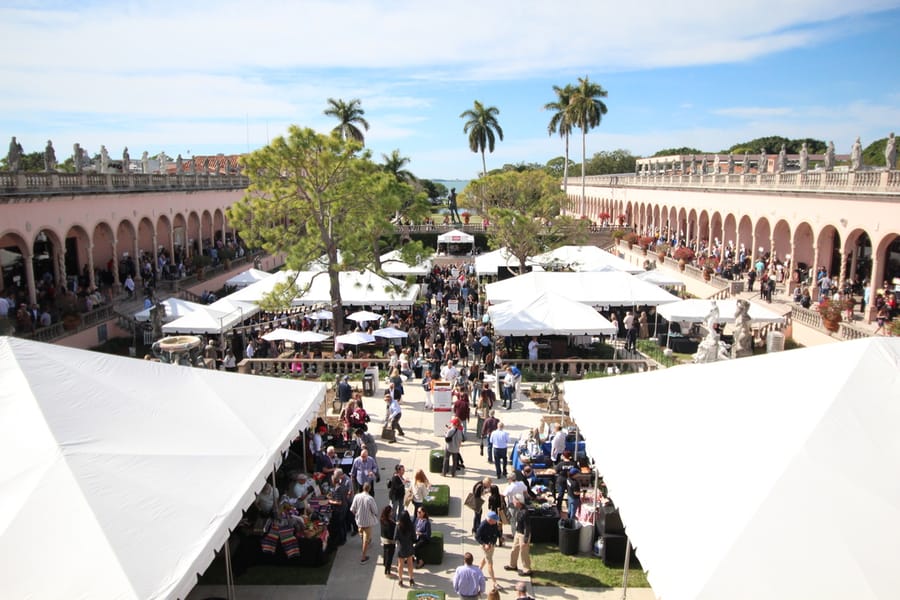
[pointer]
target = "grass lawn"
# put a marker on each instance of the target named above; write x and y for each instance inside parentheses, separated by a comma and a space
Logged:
(270, 574)
(581, 571)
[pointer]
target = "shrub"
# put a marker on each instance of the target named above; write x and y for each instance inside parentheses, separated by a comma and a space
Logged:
(631, 237)
(646, 241)
(618, 234)
(683, 253)
(831, 310)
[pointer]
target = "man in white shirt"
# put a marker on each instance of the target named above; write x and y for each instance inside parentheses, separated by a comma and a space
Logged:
(514, 488)
(533, 349)
(499, 443)
(450, 372)
(558, 444)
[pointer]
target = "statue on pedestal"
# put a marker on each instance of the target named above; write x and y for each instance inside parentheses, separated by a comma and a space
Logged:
(781, 163)
(743, 337)
(890, 153)
(179, 165)
(104, 159)
(856, 156)
(829, 157)
(763, 161)
(145, 163)
(76, 157)
(703, 165)
(693, 164)
(716, 166)
(49, 157)
(745, 164)
(126, 161)
(711, 349)
(156, 319)
(804, 158)
(14, 156)
(730, 163)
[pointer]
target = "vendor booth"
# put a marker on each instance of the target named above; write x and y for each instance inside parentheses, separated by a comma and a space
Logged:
(455, 242)
(122, 478)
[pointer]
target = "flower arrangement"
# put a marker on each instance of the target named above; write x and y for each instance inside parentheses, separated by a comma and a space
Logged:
(683, 253)
(604, 216)
(831, 310)
(662, 250)
(630, 238)
(465, 217)
(646, 241)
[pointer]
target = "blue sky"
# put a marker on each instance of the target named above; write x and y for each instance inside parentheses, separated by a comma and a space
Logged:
(206, 77)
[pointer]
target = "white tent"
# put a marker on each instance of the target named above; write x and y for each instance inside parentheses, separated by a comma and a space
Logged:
(548, 314)
(366, 288)
(203, 321)
(608, 288)
(298, 337)
(661, 278)
(122, 477)
(256, 291)
(455, 236)
(175, 309)
(392, 264)
(583, 258)
(247, 277)
(234, 307)
(490, 263)
(695, 310)
(735, 490)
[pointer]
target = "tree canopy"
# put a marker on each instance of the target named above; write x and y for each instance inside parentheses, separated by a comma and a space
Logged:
(773, 143)
(608, 163)
(350, 118)
(523, 208)
(873, 154)
(677, 151)
(483, 129)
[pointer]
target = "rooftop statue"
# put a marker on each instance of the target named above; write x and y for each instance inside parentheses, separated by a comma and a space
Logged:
(856, 156)
(14, 156)
(49, 157)
(829, 157)
(890, 153)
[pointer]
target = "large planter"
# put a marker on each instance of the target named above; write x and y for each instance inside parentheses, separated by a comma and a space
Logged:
(681, 264)
(831, 325)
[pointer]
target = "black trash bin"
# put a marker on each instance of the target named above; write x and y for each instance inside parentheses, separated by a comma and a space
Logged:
(569, 532)
(368, 384)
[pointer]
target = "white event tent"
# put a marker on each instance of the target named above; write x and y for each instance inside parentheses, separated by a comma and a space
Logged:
(548, 314)
(392, 264)
(779, 493)
(661, 278)
(249, 276)
(583, 258)
(175, 309)
(455, 236)
(490, 263)
(695, 310)
(606, 288)
(357, 288)
(206, 321)
(122, 477)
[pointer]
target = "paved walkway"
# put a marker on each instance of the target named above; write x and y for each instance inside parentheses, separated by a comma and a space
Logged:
(350, 580)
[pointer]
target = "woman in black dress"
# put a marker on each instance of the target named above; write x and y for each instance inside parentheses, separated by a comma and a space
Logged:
(495, 504)
(388, 530)
(405, 537)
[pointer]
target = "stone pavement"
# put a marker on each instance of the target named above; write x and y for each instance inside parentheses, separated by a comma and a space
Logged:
(350, 580)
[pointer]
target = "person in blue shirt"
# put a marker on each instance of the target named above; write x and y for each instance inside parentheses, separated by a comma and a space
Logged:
(487, 534)
(468, 580)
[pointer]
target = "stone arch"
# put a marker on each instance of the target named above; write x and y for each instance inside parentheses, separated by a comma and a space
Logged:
(206, 229)
(782, 237)
(762, 238)
(730, 235)
(702, 233)
(887, 252)
(858, 252)
(14, 275)
(180, 234)
(126, 238)
(219, 223)
(194, 237)
(48, 256)
(827, 246)
(715, 222)
(745, 236)
(803, 253)
(78, 256)
(164, 236)
(145, 236)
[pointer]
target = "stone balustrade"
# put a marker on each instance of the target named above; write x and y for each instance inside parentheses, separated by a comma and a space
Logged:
(31, 184)
(879, 182)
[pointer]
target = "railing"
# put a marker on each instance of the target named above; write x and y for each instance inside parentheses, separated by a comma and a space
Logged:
(18, 184)
(853, 182)
(569, 368)
(812, 318)
(88, 319)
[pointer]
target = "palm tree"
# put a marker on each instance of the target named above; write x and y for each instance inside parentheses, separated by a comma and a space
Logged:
(350, 114)
(394, 164)
(587, 111)
(483, 130)
(560, 122)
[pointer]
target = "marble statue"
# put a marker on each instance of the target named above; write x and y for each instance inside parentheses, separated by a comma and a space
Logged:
(179, 165)
(717, 168)
(856, 156)
(15, 155)
(743, 337)
(49, 157)
(730, 163)
(693, 164)
(890, 153)
(104, 159)
(76, 157)
(156, 319)
(126, 161)
(703, 165)
(763, 161)
(745, 164)
(804, 158)
(829, 157)
(683, 166)
(710, 348)
(145, 163)
(781, 163)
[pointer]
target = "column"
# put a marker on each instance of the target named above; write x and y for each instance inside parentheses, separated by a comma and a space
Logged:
(155, 255)
(874, 283)
(814, 289)
(92, 282)
(59, 266)
(28, 257)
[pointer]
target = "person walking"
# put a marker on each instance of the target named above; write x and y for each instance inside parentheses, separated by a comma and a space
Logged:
(394, 413)
(499, 441)
(451, 447)
(521, 546)
(573, 492)
(363, 471)
(487, 428)
(558, 443)
(562, 476)
(405, 537)
(487, 534)
(468, 580)
(365, 510)
(397, 489)
(478, 491)
(388, 545)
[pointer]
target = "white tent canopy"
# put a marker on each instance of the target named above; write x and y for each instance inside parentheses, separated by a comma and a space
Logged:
(781, 494)
(366, 288)
(548, 314)
(696, 310)
(175, 309)
(236, 307)
(490, 263)
(455, 236)
(608, 288)
(247, 277)
(256, 291)
(122, 477)
(298, 337)
(392, 264)
(206, 321)
(661, 278)
(583, 258)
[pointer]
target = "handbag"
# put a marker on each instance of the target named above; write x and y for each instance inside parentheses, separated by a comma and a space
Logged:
(408, 497)
(470, 501)
(494, 594)
(387, 433)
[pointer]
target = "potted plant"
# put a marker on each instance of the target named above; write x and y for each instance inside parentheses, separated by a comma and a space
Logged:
(831, 310)
(200, 262)
(618, 234)
(227, 255)
(683, 255)
(631, 239)
(645, 242)
(465, 217)
(662, 251)
(604, 217)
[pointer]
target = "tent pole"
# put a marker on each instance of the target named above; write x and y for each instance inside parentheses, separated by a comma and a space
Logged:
(625, 570)
(229, 576)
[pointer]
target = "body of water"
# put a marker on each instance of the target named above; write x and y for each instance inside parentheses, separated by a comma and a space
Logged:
(459, 184)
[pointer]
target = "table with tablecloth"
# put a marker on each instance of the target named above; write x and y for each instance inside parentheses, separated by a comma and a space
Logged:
(516, 459)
